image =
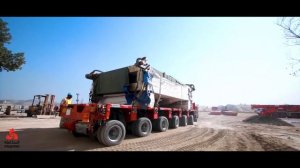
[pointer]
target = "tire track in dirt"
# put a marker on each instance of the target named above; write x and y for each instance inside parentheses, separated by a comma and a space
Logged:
(271, 143)
(200, 134)
(242, 144)
(232, 141)
(238, 141)
(245, 143)
(214, 137)
(167, 142)
(161, 141)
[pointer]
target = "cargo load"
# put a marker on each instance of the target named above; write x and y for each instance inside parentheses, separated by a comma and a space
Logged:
(145, 87)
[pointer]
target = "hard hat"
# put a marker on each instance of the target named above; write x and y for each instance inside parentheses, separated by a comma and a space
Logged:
(138, 59)
(69, 94)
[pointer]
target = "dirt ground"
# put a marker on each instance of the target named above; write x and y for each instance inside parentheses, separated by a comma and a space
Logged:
(210, 133)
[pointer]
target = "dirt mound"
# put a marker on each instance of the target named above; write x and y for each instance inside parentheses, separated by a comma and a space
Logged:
(266, 120)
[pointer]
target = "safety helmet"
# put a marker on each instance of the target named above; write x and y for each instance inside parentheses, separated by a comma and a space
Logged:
(144, 59)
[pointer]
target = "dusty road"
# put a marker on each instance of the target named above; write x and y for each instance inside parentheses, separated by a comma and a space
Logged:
(210, 133)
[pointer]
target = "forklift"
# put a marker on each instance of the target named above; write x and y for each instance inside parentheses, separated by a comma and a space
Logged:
(40, 105)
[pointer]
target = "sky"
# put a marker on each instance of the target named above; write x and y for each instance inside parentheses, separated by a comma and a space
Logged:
(230, 60)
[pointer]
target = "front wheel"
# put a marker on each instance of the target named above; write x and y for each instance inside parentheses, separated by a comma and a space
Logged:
(112, 133)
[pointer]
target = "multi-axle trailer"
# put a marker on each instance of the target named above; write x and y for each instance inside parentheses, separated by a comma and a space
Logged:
(136, 98)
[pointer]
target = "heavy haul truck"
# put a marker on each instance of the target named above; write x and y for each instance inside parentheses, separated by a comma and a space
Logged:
(135, 98)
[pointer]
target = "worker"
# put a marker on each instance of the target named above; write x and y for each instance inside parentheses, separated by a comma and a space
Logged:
(67, 100)
(142, 63)
(138, 62)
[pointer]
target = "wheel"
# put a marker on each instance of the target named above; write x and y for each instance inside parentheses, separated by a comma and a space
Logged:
(29, 114)
(195, 119)
(174, 122)
(183, 120)
(142, 127)
(161, 124)
(112, 133)
(191, 120)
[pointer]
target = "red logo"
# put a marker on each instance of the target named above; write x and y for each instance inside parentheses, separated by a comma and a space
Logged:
(12, 137)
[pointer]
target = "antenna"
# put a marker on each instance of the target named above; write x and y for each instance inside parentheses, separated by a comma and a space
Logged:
(77, 97)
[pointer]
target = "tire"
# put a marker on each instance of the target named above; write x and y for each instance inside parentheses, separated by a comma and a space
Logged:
(142, 127)
(191, 120)
(183, 121)
(29, 114)
(174, 122)
(161, 124)
(195, 118)
(112, 133)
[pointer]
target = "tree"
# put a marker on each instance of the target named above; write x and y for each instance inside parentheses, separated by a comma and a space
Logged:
(291, 28)
(8, 61)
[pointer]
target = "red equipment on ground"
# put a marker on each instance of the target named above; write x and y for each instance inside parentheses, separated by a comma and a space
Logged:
(278, 111)
(229, 113)
(215, 111)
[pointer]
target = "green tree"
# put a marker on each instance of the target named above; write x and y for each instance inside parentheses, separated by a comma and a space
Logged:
(8, 61)
(291, 28)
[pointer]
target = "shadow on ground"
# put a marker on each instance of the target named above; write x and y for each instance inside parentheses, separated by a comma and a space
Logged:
(49, 139)
(53, 139)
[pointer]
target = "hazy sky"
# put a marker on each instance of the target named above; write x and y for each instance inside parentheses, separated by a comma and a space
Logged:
(229, 60)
